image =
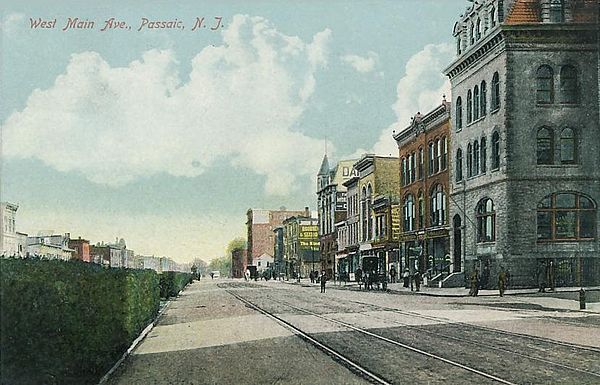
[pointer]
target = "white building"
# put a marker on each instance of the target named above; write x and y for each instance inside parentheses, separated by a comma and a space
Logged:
(8, 235)
(50, 246)
(263, 262)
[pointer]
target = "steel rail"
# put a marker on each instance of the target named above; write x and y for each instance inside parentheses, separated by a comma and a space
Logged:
(405, 346)
(353, 365)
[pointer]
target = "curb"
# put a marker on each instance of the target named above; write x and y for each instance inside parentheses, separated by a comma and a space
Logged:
(135, 343)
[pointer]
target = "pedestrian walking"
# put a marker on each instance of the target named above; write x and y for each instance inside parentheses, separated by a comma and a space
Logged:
(393, 274)
(551, 276)
(417, 279)
(323, 280)
(502, 278)
(542, 274)
(406, 277)
(212, 275)
(311, 275)
(474, 283)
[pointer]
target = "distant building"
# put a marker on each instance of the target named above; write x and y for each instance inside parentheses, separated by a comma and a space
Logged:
(50, 246)
(81, 249)
(301, 245)
(279, 251)
(239, 260)
(106, 255)
(8, 234)
(263, 262)
(331, 207)
(260, 224)
(22, 248)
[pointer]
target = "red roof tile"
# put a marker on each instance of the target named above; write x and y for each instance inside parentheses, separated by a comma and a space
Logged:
(524, 11)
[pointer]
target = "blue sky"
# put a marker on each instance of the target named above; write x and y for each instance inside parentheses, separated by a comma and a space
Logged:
(167, 137)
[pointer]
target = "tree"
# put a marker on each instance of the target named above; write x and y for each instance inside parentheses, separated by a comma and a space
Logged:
(234, 244)
(222, 264)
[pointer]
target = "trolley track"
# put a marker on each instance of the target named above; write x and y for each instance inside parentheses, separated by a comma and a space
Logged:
(368, 374)
(496, 342)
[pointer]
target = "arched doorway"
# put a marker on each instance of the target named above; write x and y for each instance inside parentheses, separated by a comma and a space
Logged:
(457, 224)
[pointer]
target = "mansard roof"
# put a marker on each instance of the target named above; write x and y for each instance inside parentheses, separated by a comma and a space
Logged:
(529, 11)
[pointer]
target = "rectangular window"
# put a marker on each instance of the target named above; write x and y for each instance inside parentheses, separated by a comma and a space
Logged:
(566, 224)
(544, 225)
(587, 224)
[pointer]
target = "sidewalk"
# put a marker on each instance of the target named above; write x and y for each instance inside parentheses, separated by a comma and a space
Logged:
(445, 291)
(565, 298)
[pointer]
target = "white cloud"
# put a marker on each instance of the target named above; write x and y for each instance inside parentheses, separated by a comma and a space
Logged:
(362, 64)
(10, 22)
(115, 125)
(420, 90)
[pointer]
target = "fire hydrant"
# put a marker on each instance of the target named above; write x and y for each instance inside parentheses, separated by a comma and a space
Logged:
(581, 299)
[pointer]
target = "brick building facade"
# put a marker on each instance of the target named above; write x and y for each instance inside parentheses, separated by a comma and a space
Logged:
(260, 225)
(424, 163)
(525, 186)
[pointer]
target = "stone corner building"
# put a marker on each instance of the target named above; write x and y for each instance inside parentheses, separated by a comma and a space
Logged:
(525, 181)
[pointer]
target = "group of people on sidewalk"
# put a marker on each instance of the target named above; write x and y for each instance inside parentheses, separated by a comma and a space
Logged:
(476, 283)
(545, 279)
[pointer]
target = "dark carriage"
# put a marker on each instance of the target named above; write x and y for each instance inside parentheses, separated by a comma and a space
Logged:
(373, 274)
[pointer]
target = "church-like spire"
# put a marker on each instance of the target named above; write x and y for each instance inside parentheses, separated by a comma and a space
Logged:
(324, 170)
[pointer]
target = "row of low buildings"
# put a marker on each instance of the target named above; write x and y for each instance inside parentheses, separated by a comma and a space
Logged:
(506, 175)
(46, 245)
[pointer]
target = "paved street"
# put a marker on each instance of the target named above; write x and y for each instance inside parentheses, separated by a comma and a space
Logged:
(231, 331)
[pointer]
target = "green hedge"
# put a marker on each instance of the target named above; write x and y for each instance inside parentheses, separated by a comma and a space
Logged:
(172, 282)
(68, 322)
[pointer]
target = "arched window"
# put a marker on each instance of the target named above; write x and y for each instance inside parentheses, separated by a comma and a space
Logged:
(478, 29)
(495, 91)
(545, 85)
(409, 213)
(411, 168)
(486, 221)
(438, 155)
(567, 146)
(369, 211)
(476, 103)
(444, 143)
(459, 159)
(403, 176)
(545, 146)
(556, 11)
(493, 16)
(476, 158)
(458, 47)
(568, 84)
(437, 206)
(566, 216)
(483, 100)
(458, 113)
(495, 151)
(431, 157)
(421, 210)
(421, 167)
(483, 155)
(469, 107)
(469, 160)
